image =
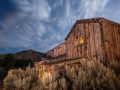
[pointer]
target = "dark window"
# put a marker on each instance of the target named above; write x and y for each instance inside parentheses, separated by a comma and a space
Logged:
(76, 37)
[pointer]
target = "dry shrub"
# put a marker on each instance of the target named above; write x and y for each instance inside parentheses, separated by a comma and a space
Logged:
(28, 79)
(114, 65)
(20, 79)
(93, 75)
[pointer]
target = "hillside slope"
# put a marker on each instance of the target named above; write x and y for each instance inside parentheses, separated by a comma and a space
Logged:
(27, 55)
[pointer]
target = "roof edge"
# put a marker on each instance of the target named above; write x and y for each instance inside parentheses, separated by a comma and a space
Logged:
(56, 46)
(86, 20)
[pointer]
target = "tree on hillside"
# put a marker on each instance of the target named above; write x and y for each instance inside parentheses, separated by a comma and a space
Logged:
(9, 61)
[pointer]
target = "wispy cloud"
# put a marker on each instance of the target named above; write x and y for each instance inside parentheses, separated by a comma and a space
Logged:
(37, 9)
(43, 24)
(73, 11)
(25, 27)
(93, 8)
(117, 13)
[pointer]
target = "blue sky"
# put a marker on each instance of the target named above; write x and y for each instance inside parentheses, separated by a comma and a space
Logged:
(42, 24)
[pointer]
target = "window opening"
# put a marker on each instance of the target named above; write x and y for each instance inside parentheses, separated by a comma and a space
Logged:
(60, 50)
(81, 40)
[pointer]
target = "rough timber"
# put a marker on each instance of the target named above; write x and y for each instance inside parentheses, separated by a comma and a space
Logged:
(88, 38)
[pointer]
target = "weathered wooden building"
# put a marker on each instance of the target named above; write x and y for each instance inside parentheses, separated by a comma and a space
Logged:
(88, 38)
(95, 37)
(58, 52)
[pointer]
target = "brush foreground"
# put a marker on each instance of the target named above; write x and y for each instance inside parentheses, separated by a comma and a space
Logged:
(90, 75)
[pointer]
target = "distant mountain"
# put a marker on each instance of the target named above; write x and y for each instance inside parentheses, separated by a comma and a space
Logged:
(27, 55)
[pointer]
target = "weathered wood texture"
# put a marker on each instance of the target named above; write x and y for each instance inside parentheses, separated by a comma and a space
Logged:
(96, 37)
(57, 51)
(101, 38)
(111, 40)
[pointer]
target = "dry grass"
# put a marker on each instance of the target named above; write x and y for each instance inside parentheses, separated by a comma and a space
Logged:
(92, 75)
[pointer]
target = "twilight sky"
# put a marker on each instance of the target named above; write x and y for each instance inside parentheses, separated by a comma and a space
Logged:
(42, 24)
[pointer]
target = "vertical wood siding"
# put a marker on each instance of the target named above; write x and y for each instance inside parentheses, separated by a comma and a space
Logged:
(91, 38)
(112, 40)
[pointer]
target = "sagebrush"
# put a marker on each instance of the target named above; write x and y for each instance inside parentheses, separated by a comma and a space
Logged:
(90, 75)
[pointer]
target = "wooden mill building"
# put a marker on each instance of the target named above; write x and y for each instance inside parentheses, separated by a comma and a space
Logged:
(58, 53)
(95, 37)
(89, 38)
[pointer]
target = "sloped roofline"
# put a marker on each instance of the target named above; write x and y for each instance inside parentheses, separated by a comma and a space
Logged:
(98, 19)
(56, 46)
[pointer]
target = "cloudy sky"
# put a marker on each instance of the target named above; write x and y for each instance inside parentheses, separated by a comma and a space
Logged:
(42, 24)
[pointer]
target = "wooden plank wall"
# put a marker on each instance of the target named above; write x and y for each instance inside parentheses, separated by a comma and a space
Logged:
(101, 39)
(92, 41)
(55, 51)
(98, 41)
(88, 50)
(81, 48)
(112, 40)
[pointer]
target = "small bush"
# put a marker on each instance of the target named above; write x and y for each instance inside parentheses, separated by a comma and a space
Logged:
(90, 75)
(20, 79)
(32, 79)
(93, 75)
(115, 66)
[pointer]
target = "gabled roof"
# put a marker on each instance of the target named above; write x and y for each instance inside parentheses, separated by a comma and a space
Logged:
(56, 46)
(99, 19)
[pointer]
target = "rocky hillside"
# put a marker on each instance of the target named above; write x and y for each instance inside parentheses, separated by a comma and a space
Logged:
(27, 55)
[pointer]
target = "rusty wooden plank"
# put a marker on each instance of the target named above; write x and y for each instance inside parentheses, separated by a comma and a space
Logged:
(118, 38)
(72, 45)
(109, 41)
(113, 42)
(79, 49)
(115, 46)
(92, 42)
(98, 40)
(69, 47)
(76, 31)
(104, 52)
(116, 50)
(110, 36)
(82, 32)
(80, 27)
(106, 29)
(117, 42)
(87, 41)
